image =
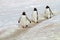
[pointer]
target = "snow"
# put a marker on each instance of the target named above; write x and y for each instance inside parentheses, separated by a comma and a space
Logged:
(10, 11)
(47, 30)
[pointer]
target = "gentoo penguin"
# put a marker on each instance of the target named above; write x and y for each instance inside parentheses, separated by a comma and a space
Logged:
(35, 15)
(48, 12)
(24, 21)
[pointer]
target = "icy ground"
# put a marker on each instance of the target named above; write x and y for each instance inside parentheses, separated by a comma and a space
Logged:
(10, 11)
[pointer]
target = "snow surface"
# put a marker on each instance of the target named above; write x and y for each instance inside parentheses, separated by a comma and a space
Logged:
(10, 11)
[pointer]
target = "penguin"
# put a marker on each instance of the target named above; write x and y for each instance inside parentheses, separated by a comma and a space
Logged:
(35, 15)
(48, 12)
(24, 21)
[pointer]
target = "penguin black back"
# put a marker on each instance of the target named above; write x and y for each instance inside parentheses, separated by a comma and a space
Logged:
(35, 9)
(47, 7)
(23, 13)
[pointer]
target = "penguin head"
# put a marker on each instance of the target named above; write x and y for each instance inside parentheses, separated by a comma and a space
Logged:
(47, 7)
(35, 9)
(23, 13)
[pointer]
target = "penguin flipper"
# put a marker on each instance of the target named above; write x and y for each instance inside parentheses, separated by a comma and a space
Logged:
(37, 19)
(19, 20)
(28, 19)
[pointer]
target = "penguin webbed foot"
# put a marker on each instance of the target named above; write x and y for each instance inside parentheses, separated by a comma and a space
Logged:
(25, 26)
(48, 18)
(22, 26)
(37, 22)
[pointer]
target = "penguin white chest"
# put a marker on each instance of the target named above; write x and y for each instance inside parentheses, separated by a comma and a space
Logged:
(34, 16)
(24, 21)
(47, 14)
